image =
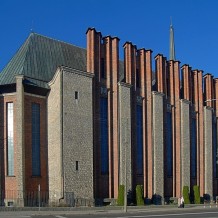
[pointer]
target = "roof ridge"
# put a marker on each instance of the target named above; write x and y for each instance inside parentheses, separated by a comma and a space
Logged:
(17, 50)
(28, 40)
(57, 40)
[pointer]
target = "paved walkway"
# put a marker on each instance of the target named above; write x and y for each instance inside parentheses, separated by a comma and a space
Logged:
(95, 210)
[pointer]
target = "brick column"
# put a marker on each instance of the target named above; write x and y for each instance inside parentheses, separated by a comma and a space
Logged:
(177, 129)
(208, 142)
(142, 72)
(172, 102)
(216, 95)
(114, 87)
(130, 76)
(93, 52)
(158, 145)
(208, 80)
(201, 131)
(149, 136)
(185, 126)
(175, 102)
(128, 62)
(195, 100)
(216, 114)
(94, 48)
(160, 73)
(19, 122)
(186, 80)
(108, 71)
(112, 70)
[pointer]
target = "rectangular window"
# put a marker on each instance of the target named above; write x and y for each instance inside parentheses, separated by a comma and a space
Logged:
(215, 151)
(77, 165)
(76, 95)
(138, 85)
(10, 139)
(36, 167)
(104, 135)
(169, 145)
(193, 157)
(103, 74)
(139, 140)
(168, 81)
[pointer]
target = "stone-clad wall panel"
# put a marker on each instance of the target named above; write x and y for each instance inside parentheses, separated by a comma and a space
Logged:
(208, 151)
(54, 139)
(125, 136)
(185, 143)
(158, 143)
(78, 134)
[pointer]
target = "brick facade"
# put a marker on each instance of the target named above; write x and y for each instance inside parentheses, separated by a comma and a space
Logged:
(70, 127)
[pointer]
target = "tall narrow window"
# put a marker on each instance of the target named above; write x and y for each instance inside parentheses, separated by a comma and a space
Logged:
(137, 79)
(76, 95)
(193, 158)
(139, 140)
(103, 75)
(36, 169)
(10, 139)
(169, 148)
(215, 151)
(104, 135)
(77, 165)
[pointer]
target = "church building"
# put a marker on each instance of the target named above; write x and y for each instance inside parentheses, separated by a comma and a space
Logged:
(82, 122)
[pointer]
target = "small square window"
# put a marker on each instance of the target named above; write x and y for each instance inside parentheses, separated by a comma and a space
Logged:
(76, 95)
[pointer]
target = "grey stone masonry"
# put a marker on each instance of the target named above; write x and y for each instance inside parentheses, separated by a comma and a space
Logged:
(20, 138)
(185, 142)
(125, 171)
(208, 111)
(158, 144)
(55, 177)
(78, 133)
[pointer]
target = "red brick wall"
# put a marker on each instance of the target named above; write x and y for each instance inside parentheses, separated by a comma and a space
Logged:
(10, 181)
(30, 181)
(1, 143)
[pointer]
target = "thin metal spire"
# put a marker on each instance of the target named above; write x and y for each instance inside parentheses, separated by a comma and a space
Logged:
(172, 45)
(32, 29)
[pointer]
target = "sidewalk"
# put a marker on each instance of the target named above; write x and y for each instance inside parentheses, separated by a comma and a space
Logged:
(92, 210)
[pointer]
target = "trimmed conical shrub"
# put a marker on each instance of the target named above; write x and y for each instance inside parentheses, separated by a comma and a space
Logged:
(139, 195)
(197, 199)
(185, 193)
(120, 199)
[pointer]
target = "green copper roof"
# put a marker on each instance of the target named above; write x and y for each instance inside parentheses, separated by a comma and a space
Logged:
(38, 59)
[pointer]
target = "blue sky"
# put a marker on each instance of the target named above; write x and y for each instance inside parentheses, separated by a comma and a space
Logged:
(143, 22)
